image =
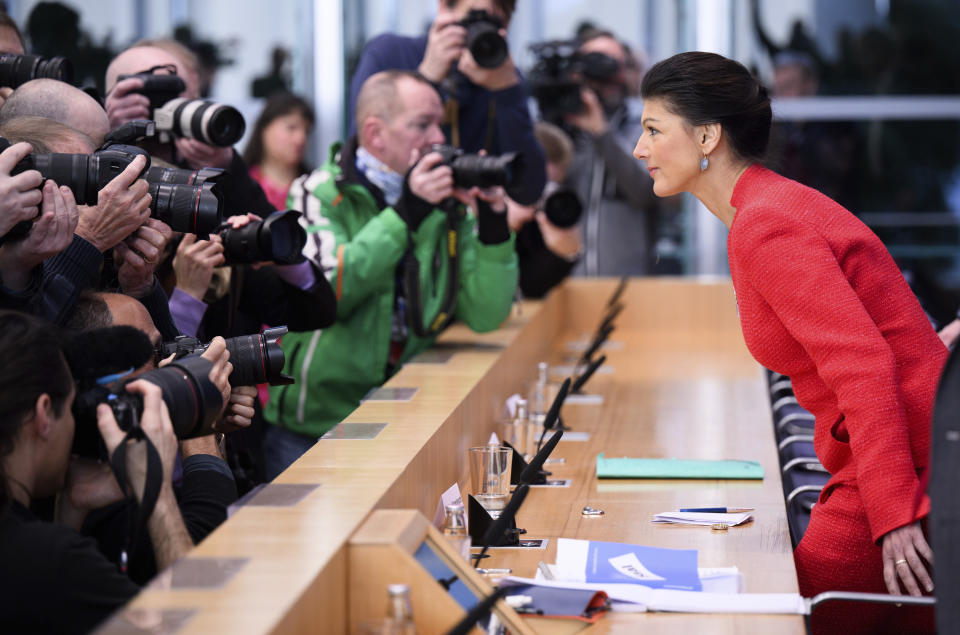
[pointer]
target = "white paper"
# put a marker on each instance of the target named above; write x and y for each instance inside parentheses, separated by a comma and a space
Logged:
(701, 518)
(586, 399)
(643, 597)
(512, 404)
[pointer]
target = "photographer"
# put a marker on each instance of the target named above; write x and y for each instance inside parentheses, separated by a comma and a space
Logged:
(120, 221)
(384, 240)
(55, 580)
(59, 101)
(125, 102)
(487, 107)
(547, 251)
(620, 221)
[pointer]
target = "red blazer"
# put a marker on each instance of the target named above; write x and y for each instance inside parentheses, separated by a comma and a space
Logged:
(822, 301)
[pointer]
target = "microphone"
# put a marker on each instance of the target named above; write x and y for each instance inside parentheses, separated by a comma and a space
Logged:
(478, 612)
(587, 374)
(499, 526)
(618, 291)
(530, 472)
(554, 413)
(597, 343)
(611, 316)
(98, 352)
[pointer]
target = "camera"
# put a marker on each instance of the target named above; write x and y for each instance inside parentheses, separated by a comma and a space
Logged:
(561, 205)
(559, 73)
(193, 401)
(194, 209)
(256, 359)
(471, 170)
(278, 238)
(484, 41)
(202, 119)
(85, 175)
(20, 69)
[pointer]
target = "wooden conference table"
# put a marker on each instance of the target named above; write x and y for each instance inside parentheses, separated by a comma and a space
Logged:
(682, 385)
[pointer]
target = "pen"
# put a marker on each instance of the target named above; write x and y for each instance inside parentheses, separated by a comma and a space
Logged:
(718, 510)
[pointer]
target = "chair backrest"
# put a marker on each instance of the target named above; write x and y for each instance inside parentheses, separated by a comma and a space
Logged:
(945, 496)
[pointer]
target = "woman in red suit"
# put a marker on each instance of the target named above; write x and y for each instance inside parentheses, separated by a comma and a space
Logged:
(820, 300)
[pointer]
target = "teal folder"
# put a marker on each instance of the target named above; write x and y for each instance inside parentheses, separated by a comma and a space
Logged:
(676, 468)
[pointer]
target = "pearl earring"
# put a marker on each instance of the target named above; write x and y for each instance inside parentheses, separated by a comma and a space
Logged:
(704, 163)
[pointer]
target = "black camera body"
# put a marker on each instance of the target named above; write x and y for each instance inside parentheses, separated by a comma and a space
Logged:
(559, 73)
(85, 175)
(471, 170)
(159, 88)
(202, 119)
(16, 70)
(484, 41)
(278, 238)
(256, 359)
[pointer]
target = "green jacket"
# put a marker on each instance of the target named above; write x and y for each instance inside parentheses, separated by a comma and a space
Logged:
(359, 247)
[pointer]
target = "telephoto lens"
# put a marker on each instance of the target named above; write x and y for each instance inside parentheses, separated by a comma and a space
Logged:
(278, 238)
(561, 205)
(20, 69)
(484, 41)
(193, 209)
(256, 359)
(201, 119)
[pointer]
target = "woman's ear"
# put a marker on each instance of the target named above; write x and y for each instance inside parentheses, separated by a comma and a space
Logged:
(43, 416)
(707, 137)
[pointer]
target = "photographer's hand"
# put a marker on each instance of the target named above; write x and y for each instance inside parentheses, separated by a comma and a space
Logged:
(167, 531)
(124, 205)
(445, 43)
(431, 181)
(591, 120)
(123, 105)
(564, 242)
(200, 155)
(139, 255)
(493, 79)
(240, 410)
(50, 235)
(194, 264)
(20, 195)
(219, 356)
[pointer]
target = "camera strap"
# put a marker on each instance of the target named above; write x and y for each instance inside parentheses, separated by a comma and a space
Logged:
(151, 489)
(412, 288)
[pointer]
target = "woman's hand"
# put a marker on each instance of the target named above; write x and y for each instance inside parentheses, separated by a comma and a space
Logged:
(902, 549)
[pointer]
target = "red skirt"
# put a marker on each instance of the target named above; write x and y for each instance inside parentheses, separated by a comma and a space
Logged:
(838, 554)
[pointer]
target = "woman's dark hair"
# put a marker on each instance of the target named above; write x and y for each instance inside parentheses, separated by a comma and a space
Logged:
(278, 105)
(33, 364)
(709, 88)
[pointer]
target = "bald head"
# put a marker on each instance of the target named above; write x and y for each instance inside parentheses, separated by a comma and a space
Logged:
(126, 311)
(380, 96)
(140, 59)
(58, 101)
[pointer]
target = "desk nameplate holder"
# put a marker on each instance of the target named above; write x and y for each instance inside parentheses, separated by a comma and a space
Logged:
(128, 621)
(354, 431)
(401, 546)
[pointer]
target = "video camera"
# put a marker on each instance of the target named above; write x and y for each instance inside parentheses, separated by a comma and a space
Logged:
(559, 73)
(16, 70)
(202, 119)
(484, 41)
(256, 359)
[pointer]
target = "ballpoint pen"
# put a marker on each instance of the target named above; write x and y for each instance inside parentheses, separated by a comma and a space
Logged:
(718, 510)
